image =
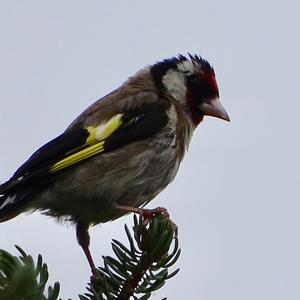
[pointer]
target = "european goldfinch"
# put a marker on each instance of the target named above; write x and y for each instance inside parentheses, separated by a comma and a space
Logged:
(120, 152)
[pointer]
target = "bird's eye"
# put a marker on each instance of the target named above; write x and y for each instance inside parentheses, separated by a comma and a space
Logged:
(192, 81)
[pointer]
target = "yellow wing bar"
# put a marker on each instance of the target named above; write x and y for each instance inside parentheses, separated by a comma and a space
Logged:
(94, 143)
(104, 130)
(78, 156)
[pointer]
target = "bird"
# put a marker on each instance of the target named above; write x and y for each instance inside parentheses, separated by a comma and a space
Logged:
(120, 152)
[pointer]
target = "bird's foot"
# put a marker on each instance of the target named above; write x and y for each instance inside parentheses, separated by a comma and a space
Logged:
(147, 214)
(151, 213)
(95, 278)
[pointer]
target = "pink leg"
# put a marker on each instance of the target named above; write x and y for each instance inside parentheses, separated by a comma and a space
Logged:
(83, 239)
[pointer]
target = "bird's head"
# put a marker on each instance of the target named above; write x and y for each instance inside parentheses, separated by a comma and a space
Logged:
(192, 82)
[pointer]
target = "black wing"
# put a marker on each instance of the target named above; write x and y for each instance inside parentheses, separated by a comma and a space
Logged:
(76, 145)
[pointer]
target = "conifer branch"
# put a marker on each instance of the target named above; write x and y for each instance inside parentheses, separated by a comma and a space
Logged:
(134, 273)
(22, 279)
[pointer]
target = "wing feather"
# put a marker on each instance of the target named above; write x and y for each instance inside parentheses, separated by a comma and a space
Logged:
(78, 156)
(76, 145)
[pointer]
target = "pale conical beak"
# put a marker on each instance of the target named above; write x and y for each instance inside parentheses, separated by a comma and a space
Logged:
(214, 108)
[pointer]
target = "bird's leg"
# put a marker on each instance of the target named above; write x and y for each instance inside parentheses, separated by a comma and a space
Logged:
(146, 213)
(83, 239)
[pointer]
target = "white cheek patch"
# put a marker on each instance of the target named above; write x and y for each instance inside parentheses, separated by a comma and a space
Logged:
(174, 82)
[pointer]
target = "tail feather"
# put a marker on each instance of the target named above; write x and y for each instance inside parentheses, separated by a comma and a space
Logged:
(16, 193)
(9, 207)
(12, 185)
(12, 205)
(2, 200)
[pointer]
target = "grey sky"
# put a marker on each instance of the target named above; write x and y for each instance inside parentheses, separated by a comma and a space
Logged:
(236, 197)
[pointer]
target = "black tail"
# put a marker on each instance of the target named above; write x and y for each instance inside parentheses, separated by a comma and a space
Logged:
(13, 204)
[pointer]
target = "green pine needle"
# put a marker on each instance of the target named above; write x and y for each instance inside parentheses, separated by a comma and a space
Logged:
(21, 279)
(141, 268)
(134, 273)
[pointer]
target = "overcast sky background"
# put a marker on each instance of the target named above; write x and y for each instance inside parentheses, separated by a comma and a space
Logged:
(236, 196)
